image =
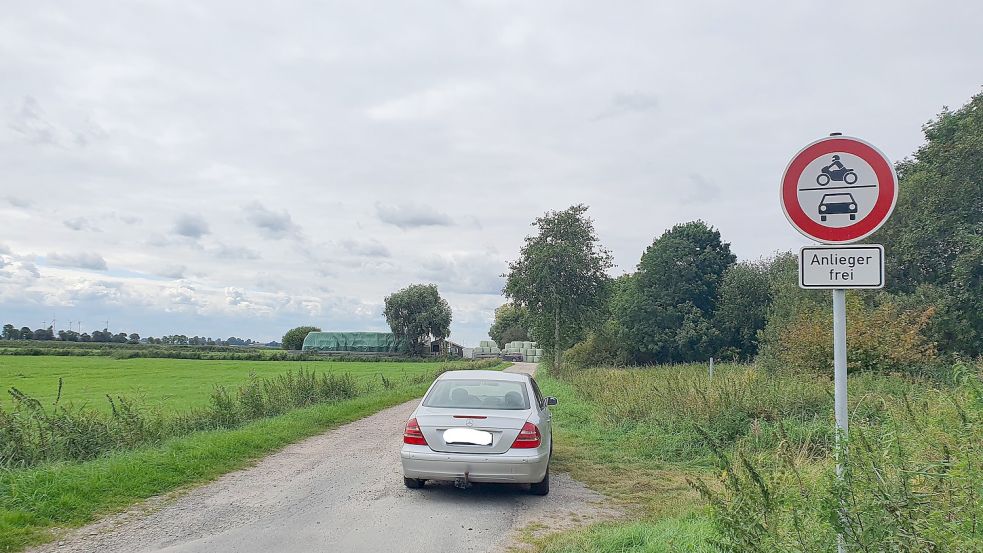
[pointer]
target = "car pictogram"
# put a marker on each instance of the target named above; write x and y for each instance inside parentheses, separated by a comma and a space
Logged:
(841, 203)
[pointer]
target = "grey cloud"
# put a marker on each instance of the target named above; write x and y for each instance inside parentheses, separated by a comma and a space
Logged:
(700, 190)
(4, 249)
(412, 215)
(366, 248)
(31, 269)
(80, 223)
(235, 296)
(272, 224)
(94, 291)
(192, 226)
(224, 251)
(81, 260)
(469, 273)
(19, 202)
(635, 101)
(126, 219)
(630, 102)
(30, 122)
(172, 271)
(183, 294)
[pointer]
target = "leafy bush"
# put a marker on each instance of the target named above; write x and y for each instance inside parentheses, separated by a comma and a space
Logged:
(602, 348)
(884, 338)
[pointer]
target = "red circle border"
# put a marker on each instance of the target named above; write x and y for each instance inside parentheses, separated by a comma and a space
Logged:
(887, 193)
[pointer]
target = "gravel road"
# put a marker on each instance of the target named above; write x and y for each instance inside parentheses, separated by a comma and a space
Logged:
(339, 491)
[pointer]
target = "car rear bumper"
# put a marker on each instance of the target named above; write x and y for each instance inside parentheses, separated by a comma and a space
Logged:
(518, 466)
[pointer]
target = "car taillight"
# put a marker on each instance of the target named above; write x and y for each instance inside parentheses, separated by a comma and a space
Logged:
(528, 437)
(412, 434)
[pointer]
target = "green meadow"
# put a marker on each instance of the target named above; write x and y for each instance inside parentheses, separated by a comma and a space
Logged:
(170, 385)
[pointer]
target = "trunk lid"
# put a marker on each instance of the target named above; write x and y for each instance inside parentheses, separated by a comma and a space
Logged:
(503, 425)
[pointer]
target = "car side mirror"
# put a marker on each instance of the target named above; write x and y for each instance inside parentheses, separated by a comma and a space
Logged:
(550, 400)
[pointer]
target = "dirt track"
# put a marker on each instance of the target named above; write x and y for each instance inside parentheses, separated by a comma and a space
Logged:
(339, 491)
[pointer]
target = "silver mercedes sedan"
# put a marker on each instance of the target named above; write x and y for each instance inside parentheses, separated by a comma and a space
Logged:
(480, 426)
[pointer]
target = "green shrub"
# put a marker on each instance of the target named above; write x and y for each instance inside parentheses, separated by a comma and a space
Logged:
(602, 348)
(883, 339)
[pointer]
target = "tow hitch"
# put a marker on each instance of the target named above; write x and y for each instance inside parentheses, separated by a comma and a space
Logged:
(462, 482)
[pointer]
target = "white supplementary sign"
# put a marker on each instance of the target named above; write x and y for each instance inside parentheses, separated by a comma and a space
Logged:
(831, 267)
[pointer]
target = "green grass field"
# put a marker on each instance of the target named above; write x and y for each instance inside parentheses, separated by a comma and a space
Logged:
(168, 384)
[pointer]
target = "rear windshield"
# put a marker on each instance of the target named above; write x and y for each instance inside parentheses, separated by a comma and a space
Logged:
(478, 394)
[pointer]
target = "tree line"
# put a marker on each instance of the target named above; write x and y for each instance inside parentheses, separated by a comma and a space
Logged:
(10, 332)
(689, 299)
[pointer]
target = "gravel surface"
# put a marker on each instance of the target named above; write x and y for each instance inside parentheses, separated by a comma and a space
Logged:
(340, 491)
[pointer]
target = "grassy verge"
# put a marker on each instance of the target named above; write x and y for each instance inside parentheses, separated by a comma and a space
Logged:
(664, 513)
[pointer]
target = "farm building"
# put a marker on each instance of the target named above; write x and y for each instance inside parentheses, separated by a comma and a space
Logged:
(352, 342)
(446, 348)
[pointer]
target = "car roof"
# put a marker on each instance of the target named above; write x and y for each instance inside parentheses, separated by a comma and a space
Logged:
(835, 194)
(482, 375)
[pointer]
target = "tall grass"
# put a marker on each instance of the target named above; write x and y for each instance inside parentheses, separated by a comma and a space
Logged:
(760, 448)
(913, 481)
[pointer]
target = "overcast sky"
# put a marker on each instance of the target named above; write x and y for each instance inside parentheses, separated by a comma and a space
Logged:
(220, 168)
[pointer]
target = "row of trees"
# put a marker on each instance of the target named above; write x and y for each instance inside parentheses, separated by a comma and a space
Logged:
(688, 299)
(10, 332)
(182, 340)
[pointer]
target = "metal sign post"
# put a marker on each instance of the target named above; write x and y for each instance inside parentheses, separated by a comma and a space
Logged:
(839, 368)
(839, 389)
(839, 190)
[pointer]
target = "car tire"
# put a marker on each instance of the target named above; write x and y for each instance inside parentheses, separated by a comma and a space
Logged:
(543, 486)
(853, 216)
(822, 217)
(413, 483)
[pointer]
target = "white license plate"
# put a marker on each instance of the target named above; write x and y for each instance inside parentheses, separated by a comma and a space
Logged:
(467, 436)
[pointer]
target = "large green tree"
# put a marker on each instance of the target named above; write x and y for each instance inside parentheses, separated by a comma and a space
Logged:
(561, 278)
(417, 313)
(511, 324)
(668, 312)
(933, 240)
(294, 338)
(742, 307)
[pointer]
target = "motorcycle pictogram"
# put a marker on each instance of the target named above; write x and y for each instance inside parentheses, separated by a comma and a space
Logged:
(836, 171)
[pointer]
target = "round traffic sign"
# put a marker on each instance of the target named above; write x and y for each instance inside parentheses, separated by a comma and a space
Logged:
(839, 190)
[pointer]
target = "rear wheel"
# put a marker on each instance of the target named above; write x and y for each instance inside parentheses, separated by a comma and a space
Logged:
(413, 482)
(543, 486)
